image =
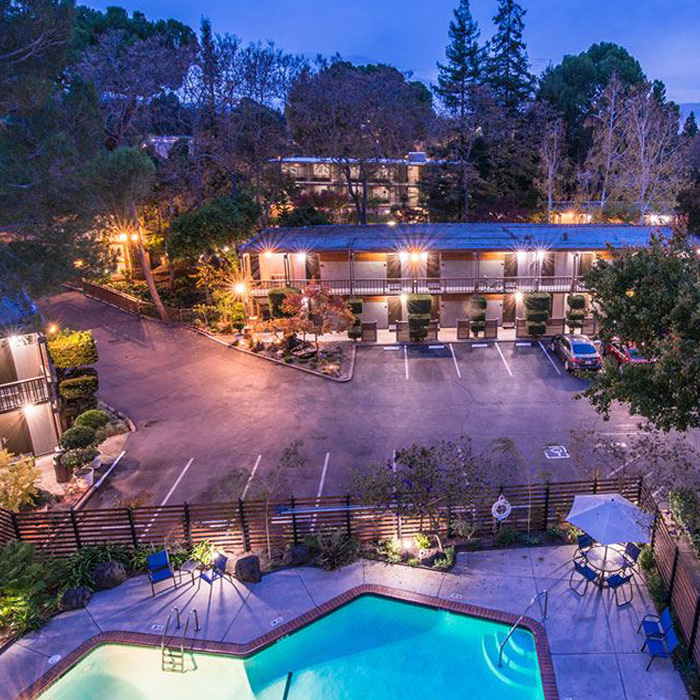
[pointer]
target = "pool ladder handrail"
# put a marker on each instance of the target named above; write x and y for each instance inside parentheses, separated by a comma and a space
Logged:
(537, 596)
(178, 624)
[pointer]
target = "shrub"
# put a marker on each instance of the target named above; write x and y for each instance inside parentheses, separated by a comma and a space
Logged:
(576, 301)
(94, 418)
(422, 541)
(506, 537)
(355, 331)
(70, 349)
(81, 563)
(477, 314)
(18, 481)
(78, 436)
(535, 330)
(538, 301)
(79, 388)
(390, 550)
(79, 457)
(275, 298)
(446, 562)
(574, 319)
(418, 304)
(537, 311)
(335, 549)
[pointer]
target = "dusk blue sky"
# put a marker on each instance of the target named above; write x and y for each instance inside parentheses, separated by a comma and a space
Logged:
(411, 34)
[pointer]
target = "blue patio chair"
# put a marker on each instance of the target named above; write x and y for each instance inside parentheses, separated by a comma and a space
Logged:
(631, 554)
(616, 583)
(585, 572)
(656, 625)
(216, 571)
(585, 542)
(661, 648)
(160, 569)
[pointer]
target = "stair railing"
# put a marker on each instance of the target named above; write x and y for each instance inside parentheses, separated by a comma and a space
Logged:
(537, 596)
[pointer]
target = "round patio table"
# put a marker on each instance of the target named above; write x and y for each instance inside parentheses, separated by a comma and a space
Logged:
(605, 559)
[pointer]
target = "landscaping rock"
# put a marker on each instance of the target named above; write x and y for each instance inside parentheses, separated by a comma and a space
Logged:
(108, 575)
(428, 557)
(297, 555)
(75, 598)
(247, 569)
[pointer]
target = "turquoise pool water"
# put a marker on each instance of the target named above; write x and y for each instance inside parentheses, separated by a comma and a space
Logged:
(373, 648)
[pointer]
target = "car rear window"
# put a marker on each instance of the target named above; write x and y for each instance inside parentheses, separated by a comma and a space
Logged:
(584, 348)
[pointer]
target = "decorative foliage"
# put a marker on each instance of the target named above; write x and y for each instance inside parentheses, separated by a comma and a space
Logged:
(19, 478)
(69, 349)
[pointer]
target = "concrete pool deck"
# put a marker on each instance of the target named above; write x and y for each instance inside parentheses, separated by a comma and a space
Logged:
(594, 645)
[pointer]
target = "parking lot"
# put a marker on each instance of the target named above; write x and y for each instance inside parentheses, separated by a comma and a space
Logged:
(211, 422)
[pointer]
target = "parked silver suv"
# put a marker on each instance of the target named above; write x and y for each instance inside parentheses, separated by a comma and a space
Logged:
(577, 352)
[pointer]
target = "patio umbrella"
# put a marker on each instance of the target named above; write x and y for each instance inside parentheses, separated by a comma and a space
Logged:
(610, 518)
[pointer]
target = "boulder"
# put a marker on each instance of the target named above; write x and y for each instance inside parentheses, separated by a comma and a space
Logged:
(247, 569)
(108, 575)
(428, 557)
(75, 598)
(297, 555)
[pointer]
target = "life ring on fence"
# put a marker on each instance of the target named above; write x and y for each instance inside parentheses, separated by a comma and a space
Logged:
(501, 508)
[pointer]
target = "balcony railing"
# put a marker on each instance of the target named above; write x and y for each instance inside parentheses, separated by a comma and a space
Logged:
(425, 285)
(27, 391)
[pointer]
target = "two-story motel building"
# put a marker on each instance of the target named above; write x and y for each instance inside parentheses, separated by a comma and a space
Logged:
(382, 263)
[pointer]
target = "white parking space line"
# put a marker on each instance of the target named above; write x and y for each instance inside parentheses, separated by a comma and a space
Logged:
(390, 347)
(549, 357)
(405, 360)
(320, 488)
(454, 359)
(250, 478)
(436, 347)
(480, 345)
(500, 352)
(177, 481)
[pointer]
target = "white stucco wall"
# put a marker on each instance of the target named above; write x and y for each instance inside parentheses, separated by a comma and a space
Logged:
(272, 266)
(335, 269)
(25, 355)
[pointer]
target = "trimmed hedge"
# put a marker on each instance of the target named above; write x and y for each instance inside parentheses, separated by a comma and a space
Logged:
(576, 312)
(419, 304)
(355, 332)
(78, 388)
(537, 316)
(535, 329)
(576, 301)
(418, 307)
(94, 418)
(477, 314)
(276, 297)
(77, 437)
(538, 301)
(538, 307)
(71, 349)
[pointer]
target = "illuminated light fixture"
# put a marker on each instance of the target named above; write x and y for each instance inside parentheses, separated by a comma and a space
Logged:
(415, 257)
(697, 251)
(629, 293)
(28, 409)
(403, 298)
(122, 237)
(424, 255)
(268, 253)
(226, 249)
(53, 328)
(403, 256)
(540, 255)
(519, 297)
(14, 341)
(522, 256)
(391, 223)
(407, 543)
(134, 237)
(78, 263)
(239, 288)
(301, 256)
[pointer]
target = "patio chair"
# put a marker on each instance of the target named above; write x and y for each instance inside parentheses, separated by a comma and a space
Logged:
(160, 569)
(216, 571)
(656, 625)
(585, 572)
(661, 647)
(616, 583)
(631, 554)
(585, 542)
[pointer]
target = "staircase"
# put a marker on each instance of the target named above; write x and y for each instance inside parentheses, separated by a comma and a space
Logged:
(519, 666)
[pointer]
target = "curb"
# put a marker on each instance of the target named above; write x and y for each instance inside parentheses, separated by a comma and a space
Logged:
(339, 380)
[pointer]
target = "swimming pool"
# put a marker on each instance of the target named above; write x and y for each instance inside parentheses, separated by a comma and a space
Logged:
(371, 648)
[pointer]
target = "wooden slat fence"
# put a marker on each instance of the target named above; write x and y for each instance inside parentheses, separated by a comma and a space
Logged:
(246, 525)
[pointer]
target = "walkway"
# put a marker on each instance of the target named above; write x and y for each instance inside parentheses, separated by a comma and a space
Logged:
(594, 644)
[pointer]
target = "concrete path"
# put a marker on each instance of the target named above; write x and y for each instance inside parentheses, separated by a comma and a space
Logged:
(594, 644)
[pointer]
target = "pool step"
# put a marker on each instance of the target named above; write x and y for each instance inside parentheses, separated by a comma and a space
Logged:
(519, 667)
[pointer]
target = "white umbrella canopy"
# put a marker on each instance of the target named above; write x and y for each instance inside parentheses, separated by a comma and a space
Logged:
(610, 518)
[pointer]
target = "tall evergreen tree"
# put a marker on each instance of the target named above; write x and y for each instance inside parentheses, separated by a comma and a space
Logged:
(508, 73)
(464, 66)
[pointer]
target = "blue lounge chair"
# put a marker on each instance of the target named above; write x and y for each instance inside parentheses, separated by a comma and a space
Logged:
(586, 572)
(585, 542)
(631, 554)
(616, 582)
(655, 625)
(160, 569)
(661, 648)
(217, 570)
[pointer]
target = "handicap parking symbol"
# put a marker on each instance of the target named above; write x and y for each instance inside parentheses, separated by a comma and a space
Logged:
(556, 452)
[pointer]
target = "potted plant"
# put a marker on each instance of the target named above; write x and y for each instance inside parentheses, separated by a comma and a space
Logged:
(80, 461)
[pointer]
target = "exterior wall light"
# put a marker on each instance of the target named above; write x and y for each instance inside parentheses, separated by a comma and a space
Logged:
(267, 254)
(239, 288)
(134, 237)
(403, 256)
(301, 256)
(540, 255)
(403, 298)
(415, 257)
(522, 256)
(519, 297)
(424, 255)
(29, 409)
(123, 237)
